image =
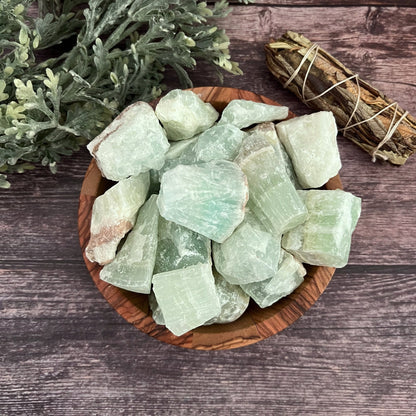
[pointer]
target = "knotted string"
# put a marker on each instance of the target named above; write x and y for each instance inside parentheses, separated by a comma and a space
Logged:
(314, 48)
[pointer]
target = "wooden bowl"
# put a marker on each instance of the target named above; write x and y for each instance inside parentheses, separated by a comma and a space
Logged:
(256, 323)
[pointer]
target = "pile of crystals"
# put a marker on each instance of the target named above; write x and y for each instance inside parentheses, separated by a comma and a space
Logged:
(209, 213)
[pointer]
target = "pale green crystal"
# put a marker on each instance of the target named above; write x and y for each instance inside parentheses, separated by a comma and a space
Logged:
(133, 143)
(232, 299)
(183, 114)
(268, 131)
(311, 142)
(325, 238)
(219, 142)
(208, 198)
(244, 113)
(179, 247)
(250, 254)
(187, 297)
(273, 198)
(288, 277)
(113, 215)
(132, 268)
(157, 314)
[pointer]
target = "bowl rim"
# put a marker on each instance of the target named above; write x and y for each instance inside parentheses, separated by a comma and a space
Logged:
(256, 323)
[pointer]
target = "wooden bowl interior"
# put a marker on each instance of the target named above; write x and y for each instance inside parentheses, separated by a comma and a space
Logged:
(256, 323)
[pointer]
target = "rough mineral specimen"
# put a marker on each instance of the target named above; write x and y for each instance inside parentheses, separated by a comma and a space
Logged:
(250, 254)
(113, 215)
(325, 238)
(157, 314)
(288, 277)
(187, 297)
(179, 247)
(133, 143)
(244, 113)
(183, 114)
(273, 198)
(233, 301)
(268, 131)
(219, 142)
(311, 142)
(208, 198)
(132, 268)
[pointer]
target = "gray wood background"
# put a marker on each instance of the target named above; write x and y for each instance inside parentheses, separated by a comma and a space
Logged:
(65, 351)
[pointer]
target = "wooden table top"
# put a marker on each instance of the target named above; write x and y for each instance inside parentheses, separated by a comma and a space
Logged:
(64, 350)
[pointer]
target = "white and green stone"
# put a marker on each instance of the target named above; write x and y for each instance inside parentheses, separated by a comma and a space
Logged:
(132, 268)
(325, 238)
(289, 276)
(187, 297)
(209, 198)
(244, 113)
(183, 114)
(273, 198)
(179, 247)
(233, 301)
(219, 142)
(311, 142)
(157, 314)
(250, 254)
(133, 143)
(268, 131)
(113, 215)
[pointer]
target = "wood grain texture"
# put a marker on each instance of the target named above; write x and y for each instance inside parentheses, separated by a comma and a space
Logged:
(66, 351)
(255, 324)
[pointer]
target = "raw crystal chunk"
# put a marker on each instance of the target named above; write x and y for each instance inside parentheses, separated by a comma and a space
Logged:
(273, 198)
(157, 314)
(233, 301)
(113, 215)
(325, 238)
(250, 254)
(219, 142)
(132, 268)
(183, 153)
(179, 247)
(183, 114)
(133, 143)
(244, 113)
(208, 198)
(187, 297)
(311, 142)
(288, 277)
(268, 131)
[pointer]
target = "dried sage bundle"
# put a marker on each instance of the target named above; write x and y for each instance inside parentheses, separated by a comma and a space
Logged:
(363, 114)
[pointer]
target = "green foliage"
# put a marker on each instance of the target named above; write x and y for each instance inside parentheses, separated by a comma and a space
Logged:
(112, 52)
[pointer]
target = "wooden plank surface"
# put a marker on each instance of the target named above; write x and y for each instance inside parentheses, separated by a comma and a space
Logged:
(64, 350)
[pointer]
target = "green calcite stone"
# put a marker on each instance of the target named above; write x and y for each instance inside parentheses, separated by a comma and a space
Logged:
(250, 254)
(133, 143)
(219, 142)
(179, 247)
(325, 238)
(132, 268)
(187, 297)
(157, 314)
(232, 299)
(183, 153)
(311, 142)
(244, 113)
(273, 198)
(113, 215)
(209, 198)
(183, 114)
(288, 277)
(268, 131)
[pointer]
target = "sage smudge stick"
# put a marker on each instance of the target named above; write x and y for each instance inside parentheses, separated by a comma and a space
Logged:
(364, 115)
